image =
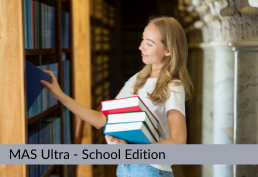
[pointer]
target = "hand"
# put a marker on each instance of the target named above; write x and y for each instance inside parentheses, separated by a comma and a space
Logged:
(52, 85)
(113, 140)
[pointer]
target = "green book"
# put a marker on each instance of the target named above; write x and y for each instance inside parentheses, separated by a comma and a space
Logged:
(130, 117)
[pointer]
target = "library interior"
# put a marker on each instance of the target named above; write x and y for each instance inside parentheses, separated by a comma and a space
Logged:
(92, 48)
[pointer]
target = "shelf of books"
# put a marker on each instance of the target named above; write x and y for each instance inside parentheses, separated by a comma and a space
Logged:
(47, 40)
(102, 63)
(40, 35)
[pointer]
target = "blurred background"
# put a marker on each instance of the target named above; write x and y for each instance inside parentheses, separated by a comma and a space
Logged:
(222, 39)
(92, 48)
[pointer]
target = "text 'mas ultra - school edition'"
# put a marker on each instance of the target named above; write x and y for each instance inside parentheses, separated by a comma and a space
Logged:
(86, 154)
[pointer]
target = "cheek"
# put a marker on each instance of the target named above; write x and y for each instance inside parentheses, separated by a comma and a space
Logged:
(155, 57)
(158, 55)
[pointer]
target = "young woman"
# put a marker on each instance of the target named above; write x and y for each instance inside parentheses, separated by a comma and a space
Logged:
(163, 85)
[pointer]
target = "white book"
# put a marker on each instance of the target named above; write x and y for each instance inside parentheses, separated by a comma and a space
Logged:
(127, 104)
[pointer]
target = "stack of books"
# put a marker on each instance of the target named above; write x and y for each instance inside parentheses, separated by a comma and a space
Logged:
(130, 119)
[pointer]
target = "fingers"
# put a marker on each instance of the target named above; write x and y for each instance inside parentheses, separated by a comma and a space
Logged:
(45, 83)
(114, 140)
(108, 140)
(50, 73)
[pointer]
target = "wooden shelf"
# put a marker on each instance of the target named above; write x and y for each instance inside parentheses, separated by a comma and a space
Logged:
(48, 172)
(43, 114)
(67, 50)
(39, 51)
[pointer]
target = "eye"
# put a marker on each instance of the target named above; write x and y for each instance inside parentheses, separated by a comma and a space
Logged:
(149, 44)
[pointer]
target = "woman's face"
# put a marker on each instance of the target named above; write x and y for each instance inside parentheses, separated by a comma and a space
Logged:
(153, 51)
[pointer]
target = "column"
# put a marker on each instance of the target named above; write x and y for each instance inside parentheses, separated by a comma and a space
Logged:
(245, 99)
(222, 101)
(207, 100)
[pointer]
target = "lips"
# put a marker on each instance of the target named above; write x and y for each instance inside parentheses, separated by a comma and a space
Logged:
(144, 55)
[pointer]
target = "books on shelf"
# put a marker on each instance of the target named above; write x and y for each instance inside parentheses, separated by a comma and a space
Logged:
(43, 99)
(39, 25)
(127, 104)
(53, 125)
(130, 119)
(50, 133)
(34, 87)
(67, 126)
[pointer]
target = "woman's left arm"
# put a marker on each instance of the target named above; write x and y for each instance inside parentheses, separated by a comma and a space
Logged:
(177, 127)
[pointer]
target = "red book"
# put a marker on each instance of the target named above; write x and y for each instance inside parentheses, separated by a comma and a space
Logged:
(127, 104)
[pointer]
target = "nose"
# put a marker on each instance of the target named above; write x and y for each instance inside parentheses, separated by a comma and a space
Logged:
(141, 46)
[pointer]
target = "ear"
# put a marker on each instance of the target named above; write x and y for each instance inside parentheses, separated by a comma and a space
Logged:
(167, 53)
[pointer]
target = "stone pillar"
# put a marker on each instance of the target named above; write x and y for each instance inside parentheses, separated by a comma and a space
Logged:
(245, 100)
(207, 100)
(222, 101)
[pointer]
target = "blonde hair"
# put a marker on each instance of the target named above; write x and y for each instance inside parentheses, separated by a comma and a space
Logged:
(173, 37)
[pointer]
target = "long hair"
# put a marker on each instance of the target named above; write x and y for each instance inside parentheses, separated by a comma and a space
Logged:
(175, 68)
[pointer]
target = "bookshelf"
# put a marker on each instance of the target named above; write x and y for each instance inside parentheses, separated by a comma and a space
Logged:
(102, 20)
(15, 124)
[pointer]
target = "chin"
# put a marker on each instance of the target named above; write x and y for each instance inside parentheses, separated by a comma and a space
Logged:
(146, 61)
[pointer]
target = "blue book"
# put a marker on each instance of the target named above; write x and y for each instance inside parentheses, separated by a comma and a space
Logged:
(135, 132)
(25, 23)
(67, 29)
(58, 131)
(34, 87)
(53, 26)
(36, 24)
(30, 23)
(47, 26)
(41, 13)
(62, 28)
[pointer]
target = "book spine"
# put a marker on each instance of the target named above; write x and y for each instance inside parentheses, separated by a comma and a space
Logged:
(41, 20)
(25, 23)
(35, 24)
(54, 26)
(44, 26)
(51, 26)
(148, 109)
(32, 23)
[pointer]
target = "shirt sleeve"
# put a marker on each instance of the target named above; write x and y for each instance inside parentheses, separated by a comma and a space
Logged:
(127, 88)
(176, 99)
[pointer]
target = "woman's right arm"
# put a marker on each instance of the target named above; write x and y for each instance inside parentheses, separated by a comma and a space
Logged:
(95, 118)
